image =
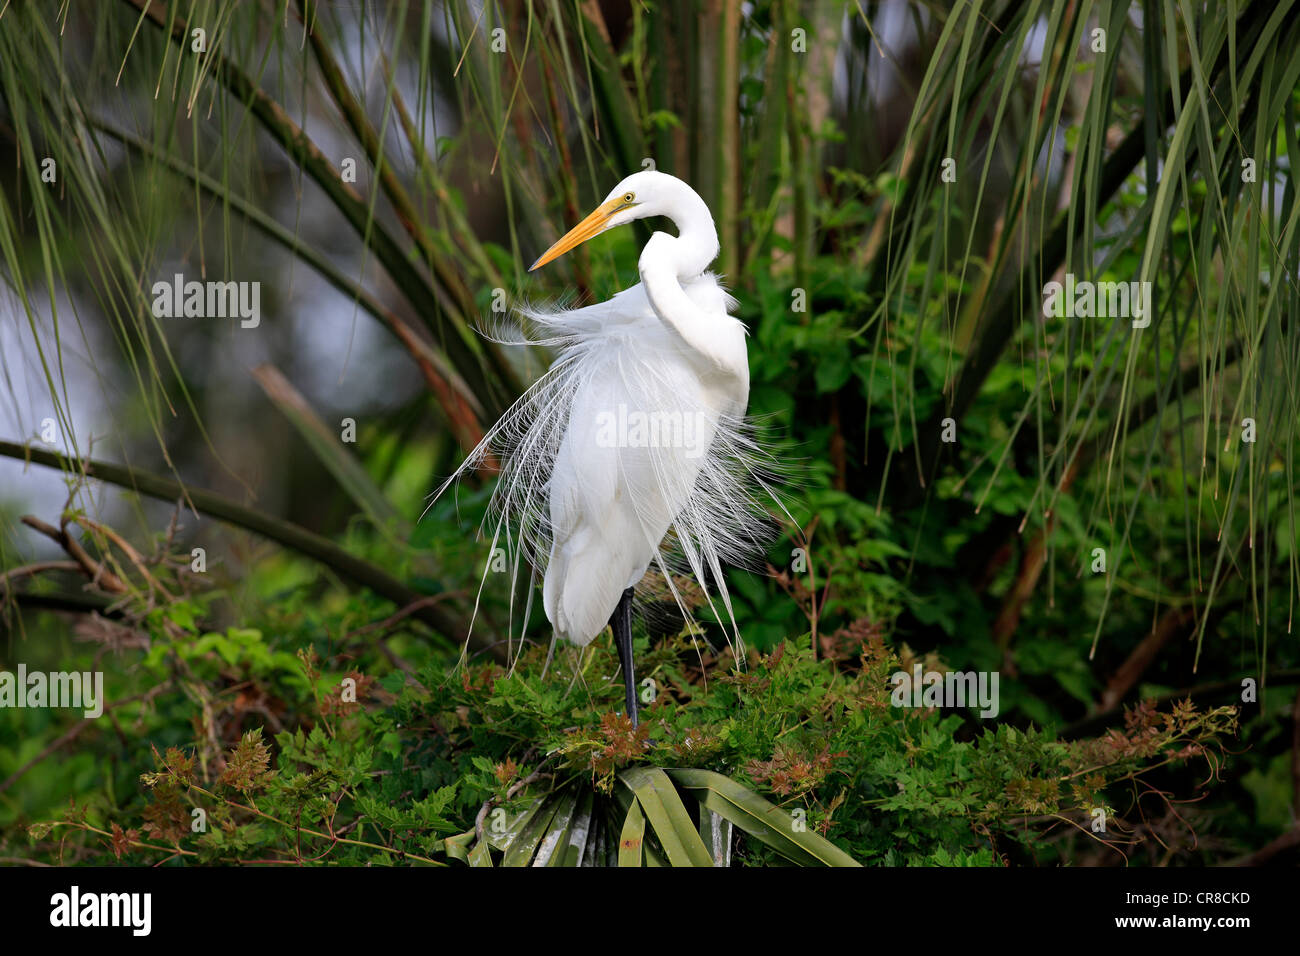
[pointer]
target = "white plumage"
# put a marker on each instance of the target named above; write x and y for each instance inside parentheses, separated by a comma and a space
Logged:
(632, 452)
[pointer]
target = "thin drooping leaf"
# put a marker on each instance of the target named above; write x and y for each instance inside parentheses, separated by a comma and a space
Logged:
(672, 823)
(555, 843)
(527, 838)
(760, 819)
(580, 833)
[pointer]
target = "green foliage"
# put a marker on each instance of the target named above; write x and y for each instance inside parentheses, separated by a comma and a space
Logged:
(415, 767)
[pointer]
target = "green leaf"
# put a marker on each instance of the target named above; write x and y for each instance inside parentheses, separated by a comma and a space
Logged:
(555, 843)
(631, 837)
(764, 822)
(666, 813)
(833, 369)
(579, 835)
(524, 846)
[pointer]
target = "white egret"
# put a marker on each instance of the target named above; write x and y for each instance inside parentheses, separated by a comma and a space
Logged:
(633, 450)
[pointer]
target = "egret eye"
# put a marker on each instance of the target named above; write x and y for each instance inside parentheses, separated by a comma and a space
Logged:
(629, 197)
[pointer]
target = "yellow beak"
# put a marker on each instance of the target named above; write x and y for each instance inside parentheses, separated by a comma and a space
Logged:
(580, 233)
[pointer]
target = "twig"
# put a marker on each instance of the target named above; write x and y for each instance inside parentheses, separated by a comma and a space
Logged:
(31, 570)
(98, 574)
(126, 547)
(405, 612)
(514, 789)
(1093, 722)
(1135, 665)
(312, 833)
(1271, 849)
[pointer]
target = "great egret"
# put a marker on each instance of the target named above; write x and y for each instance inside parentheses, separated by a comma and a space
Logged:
(633, 449)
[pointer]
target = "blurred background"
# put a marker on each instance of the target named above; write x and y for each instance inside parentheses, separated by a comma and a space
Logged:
(1104, 514)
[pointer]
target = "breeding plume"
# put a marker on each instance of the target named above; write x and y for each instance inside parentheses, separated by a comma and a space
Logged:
(632, 452)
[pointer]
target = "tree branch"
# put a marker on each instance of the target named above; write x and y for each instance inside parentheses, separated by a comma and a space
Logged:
(286, 533)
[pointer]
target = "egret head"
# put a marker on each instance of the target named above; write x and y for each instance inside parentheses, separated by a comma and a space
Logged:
(643, 194)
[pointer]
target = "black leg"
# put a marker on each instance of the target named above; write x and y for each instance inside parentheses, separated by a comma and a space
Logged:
(621, 622)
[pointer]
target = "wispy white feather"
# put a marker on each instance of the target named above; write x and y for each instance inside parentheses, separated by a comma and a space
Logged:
(699, 503)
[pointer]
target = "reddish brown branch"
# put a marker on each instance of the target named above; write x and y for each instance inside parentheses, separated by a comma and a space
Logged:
(1174, 621)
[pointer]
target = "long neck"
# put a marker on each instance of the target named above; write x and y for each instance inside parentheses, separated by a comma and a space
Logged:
(669, 263)
(696, 244)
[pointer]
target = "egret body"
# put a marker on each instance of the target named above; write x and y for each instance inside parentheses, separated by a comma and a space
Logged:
(632, 450)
